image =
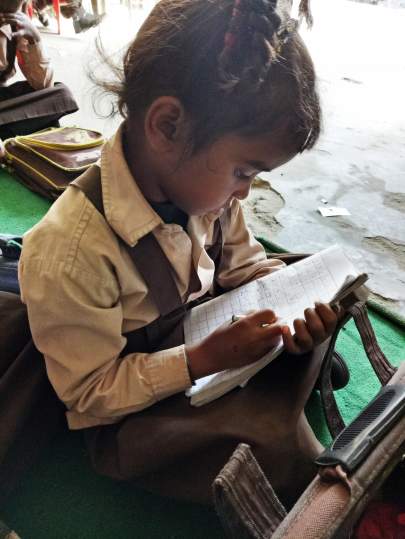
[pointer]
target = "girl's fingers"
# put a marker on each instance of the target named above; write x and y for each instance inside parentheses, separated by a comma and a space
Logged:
(271, 334)
(302, 337)
(319, 323)
(328, 315)
(315, 325)
(267, 316)
(299, 343)
(289, 341)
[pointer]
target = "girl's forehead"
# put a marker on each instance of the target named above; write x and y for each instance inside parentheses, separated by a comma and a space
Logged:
(263, 149)
(258, 153)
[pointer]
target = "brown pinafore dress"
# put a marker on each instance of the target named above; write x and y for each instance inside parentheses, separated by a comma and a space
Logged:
(177, 450)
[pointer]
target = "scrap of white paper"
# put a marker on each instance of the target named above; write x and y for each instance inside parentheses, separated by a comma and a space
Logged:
(332, 211)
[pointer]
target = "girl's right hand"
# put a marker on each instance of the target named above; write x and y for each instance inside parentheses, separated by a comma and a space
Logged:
(234, 345)
(2, 150)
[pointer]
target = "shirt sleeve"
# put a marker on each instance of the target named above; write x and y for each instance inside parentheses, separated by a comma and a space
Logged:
(76, 322)
(34, 64)
(243, 257)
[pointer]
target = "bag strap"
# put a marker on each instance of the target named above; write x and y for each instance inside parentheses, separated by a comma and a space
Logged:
(333, 418)
(382, 367)
(333, 502)
(244, 499)
(328, 508)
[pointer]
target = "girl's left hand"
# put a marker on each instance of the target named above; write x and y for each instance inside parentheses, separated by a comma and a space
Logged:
(22, 26)
(319, 324)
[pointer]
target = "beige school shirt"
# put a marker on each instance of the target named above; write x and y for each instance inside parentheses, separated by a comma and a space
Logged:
(33, 62)
(83, 292)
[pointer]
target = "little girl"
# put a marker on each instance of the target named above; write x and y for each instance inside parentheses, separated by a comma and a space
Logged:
(212, 93)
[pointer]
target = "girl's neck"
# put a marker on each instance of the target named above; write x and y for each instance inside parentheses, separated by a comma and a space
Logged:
(141, 165)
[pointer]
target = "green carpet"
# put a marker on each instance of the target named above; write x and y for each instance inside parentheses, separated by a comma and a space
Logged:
(63, 499)
(20, 209)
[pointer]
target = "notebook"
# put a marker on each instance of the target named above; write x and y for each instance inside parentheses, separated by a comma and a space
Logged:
(325, 276)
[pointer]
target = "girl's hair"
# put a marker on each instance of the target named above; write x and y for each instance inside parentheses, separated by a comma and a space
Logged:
(235, 65)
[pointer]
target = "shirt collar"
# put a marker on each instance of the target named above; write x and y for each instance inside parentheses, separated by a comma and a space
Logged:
(126, 209)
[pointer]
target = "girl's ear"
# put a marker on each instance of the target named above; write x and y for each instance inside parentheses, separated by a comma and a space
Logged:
(165, 124)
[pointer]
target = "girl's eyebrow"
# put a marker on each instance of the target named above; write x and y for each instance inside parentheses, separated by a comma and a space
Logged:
(258, 165)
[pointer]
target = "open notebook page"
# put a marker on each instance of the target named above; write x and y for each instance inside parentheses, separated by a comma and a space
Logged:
(288, 292)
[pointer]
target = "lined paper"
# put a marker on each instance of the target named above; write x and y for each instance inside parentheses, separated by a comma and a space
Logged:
(288, 292)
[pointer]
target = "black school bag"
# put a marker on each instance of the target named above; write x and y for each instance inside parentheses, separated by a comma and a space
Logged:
(30, 412)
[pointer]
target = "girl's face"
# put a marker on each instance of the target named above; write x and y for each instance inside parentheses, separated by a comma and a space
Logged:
(208, 180)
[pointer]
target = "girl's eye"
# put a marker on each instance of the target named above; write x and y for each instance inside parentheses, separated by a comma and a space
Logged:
(243, 174)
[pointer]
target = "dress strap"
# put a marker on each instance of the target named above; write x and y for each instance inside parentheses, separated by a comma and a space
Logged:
(147, 255)
(157, 272)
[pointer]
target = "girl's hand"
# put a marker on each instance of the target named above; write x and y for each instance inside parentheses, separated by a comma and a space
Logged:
(21, 25)
(234, 345)
(2, 150)
(318, 325)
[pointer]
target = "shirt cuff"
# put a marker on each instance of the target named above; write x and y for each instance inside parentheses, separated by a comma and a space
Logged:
(168, 372)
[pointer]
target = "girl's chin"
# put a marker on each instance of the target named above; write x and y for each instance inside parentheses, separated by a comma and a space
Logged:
(222, 208)
(215, 211)
(218, 211)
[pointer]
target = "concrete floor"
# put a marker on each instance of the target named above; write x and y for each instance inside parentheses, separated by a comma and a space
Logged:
(359, 162)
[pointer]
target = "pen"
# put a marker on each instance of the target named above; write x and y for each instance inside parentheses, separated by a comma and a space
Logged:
(236, 317)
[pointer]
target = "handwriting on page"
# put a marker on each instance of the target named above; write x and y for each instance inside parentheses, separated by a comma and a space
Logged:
(206, 319)
(287, 292)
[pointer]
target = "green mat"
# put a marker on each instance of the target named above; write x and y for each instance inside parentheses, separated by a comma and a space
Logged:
(20, 209)
(63, 499)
